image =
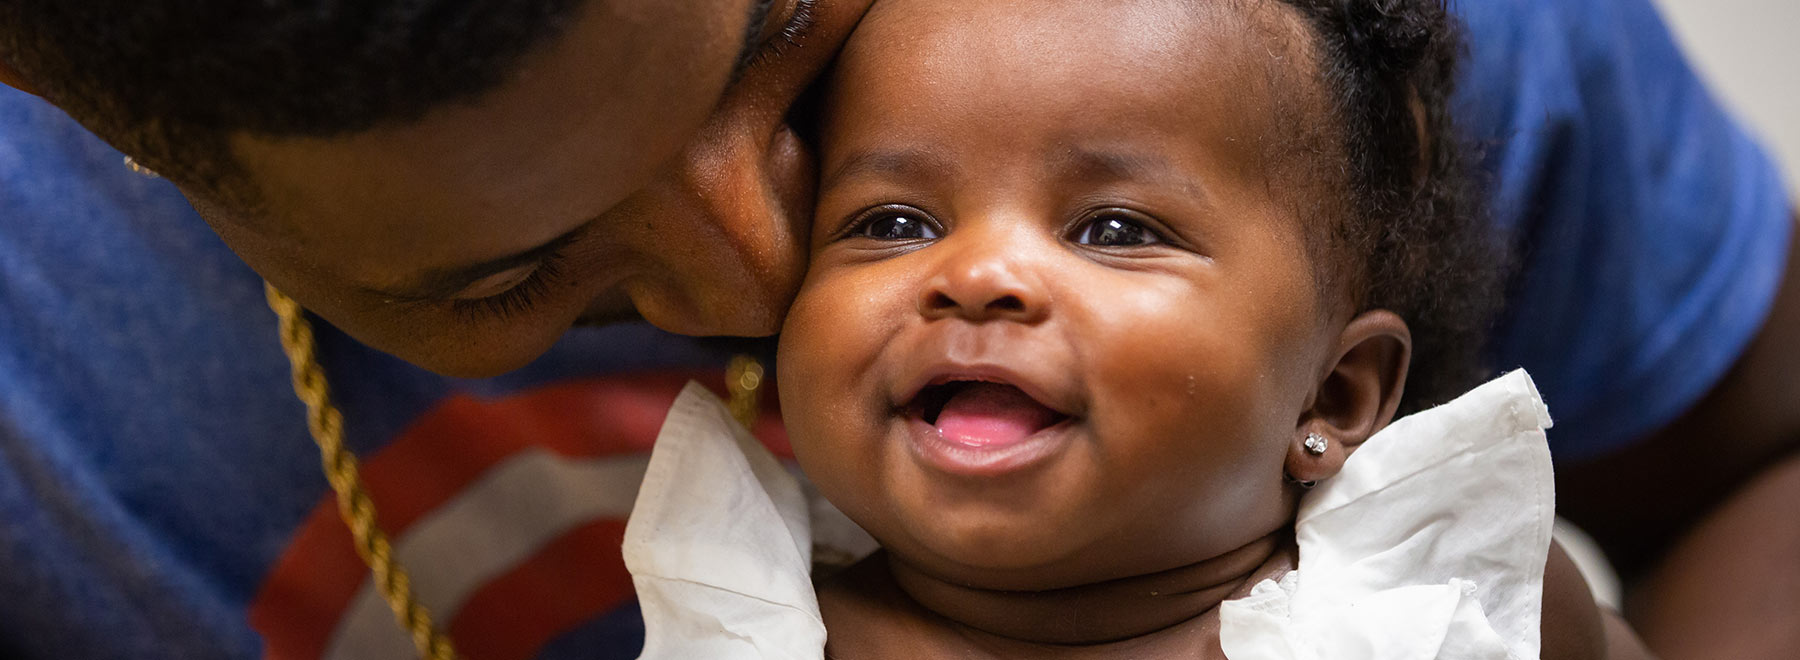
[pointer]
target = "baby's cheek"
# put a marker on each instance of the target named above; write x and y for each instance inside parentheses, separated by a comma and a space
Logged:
(827, 346)
(843, 316)
(809, 339)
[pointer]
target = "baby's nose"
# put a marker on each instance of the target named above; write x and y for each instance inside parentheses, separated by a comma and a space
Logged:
(984, 288)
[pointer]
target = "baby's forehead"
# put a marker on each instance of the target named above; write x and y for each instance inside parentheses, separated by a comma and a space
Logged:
(1244, 66)
(1266, 36)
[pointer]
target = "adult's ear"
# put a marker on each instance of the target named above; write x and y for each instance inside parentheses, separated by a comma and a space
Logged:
(12, 78)
(1357, 396)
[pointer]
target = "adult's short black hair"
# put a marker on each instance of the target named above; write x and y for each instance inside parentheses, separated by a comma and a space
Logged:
(169, 80)
(1412, 234)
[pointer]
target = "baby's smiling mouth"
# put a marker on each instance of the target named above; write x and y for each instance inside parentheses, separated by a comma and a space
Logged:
(981, 414)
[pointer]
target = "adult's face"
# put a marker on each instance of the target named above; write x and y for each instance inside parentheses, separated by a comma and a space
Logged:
(622, 168)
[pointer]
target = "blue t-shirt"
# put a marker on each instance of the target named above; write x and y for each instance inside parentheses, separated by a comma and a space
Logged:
(160, 496)
(1653, 230)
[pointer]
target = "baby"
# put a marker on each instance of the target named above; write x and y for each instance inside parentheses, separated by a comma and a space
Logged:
(1098, 292)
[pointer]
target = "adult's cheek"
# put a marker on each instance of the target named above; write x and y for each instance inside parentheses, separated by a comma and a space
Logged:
(725, 232)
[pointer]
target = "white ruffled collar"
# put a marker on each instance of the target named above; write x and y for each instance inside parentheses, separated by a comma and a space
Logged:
(1430, 544)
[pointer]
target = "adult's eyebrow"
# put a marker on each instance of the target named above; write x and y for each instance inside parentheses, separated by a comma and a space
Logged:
(444, 283)
(905, 164)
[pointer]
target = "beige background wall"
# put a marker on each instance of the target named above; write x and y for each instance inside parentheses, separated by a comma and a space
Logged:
(1749, 51)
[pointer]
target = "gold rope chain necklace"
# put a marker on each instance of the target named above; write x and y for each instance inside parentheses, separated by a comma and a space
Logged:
(743, 379)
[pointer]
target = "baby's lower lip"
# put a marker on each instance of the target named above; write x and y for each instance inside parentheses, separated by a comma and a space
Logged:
(978, 457)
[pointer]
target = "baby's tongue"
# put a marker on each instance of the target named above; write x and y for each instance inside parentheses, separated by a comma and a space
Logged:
(992, 415)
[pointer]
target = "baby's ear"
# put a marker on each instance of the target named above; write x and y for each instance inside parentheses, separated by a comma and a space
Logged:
(1357, 396)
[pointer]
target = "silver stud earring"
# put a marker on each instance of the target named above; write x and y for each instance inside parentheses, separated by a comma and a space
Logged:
(1316, 444)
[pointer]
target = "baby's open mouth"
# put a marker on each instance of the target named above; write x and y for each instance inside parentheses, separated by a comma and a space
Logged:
(981, 414)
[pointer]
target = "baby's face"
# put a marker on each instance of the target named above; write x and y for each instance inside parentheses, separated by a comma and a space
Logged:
(1060, 325)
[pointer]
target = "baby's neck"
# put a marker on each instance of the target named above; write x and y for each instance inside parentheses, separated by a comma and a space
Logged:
(884, 603)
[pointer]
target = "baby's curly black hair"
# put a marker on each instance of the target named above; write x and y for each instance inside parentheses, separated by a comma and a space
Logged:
(1411, 235)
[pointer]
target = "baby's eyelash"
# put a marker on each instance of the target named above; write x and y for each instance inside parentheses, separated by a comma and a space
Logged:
(797, 26)
(858, 223)
(516, 300)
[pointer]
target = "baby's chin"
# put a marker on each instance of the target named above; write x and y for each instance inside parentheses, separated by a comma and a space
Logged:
(1002, 556)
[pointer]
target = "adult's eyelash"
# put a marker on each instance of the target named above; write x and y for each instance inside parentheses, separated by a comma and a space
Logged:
(516, 300)
(797, 26)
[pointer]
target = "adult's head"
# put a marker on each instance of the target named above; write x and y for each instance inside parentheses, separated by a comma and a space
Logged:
(458, 183)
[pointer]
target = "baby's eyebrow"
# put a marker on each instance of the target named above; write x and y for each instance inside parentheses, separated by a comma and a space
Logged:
(909, 164)
(1093, 165)
(1089, 164)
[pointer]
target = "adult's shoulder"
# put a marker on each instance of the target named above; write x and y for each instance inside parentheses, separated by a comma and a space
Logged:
(1649, 227)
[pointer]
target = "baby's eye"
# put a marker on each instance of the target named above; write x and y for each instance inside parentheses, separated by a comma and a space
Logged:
(896, 222)
(1114, 230)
